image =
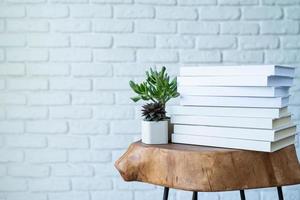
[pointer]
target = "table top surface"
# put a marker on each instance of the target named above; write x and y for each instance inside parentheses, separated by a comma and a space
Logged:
(202, 168)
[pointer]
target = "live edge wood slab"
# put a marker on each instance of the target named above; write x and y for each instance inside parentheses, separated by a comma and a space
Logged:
(207, 169)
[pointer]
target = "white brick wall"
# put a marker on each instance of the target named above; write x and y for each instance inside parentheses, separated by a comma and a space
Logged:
(65, 113)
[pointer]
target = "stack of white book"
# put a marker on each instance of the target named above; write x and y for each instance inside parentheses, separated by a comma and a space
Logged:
(243, 107)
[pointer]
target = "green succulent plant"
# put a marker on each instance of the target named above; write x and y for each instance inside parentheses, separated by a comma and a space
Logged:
(157, 88)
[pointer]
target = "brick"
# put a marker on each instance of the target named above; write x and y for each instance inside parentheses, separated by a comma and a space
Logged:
(2, 56)
(243, 56)
(49, 185)
(122, 185)
(12, 11)
(192, 56)
(157, 56)
(290, 42)
(71, 54)
(11, 155)
(27, 25)
(114, 55)
(238, 2)
(282, 56)
(49, 98)
(216, 42)
(105, 170)
(198, 28)
(74, 195)
(112, 25)
(157, 26)
(2, 27)
(111, 142)
(112, 1)
(12, 99)
(279, 27)
(11, 127)
(280, 2)
(262, 13)
(91, 40)
(46, 127)
(68, 142)
(8, 184)
(2, 113)
(26, 170)
(47, 69)
(129, 69)
(71, 26)
(26, 54)
(134, 40)
(92, 98)
(114, 112)
(171, 41)
(156, 2)
(49, 11)
(87, 127)
(11, 69)
(90, 156)
(71, 170)
(154, 194)
(112, 195)
(111, 84)
(45, 156)
(26, 112)
(69, 1)
(91, 184)
(27, 84)
(133, 12)
(239, 28)
(259, 42)
(12, 40)
(219, 13)
(2, 86)
(91, 11)
(25, 141)
(25, 1)
(70, 84)
(196, 2)
(26, 195)
(126, 127)
(47, 40)
(173, 13)
(123, 98)
(69, 112)
(91, 70)
(292, 13)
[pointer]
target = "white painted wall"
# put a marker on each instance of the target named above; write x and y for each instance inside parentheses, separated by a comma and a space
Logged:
(65, 113)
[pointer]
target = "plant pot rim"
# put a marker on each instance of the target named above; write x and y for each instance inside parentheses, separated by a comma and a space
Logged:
(156, 121)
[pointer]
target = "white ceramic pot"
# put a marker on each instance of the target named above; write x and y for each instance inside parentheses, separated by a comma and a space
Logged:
(155, 132)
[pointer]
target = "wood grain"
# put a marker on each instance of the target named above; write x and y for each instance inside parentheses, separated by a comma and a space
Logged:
(207, 169)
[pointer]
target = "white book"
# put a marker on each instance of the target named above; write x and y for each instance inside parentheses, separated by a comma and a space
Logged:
(254, 145)
(264, 70)
(239, 133)
(274, 81)
(234, 91)
(242, 122)
(229, 111)
(260, 102)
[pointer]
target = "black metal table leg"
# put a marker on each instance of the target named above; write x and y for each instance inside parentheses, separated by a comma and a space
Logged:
(195, 195)
(242, 193)
(280, 194)
(166, 193)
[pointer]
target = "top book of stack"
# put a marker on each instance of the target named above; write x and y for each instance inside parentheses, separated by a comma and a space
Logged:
(260, 76)
(247, 70)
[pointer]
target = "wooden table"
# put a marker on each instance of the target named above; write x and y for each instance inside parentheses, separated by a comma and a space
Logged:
(208, 169)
